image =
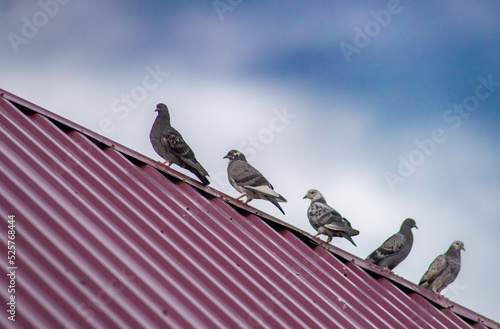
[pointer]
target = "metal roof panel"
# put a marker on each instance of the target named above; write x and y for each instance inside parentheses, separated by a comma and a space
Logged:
(109, 238)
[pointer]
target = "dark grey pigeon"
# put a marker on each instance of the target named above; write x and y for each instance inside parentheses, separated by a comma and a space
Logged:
(170, 145)
(444, 269)
(327, 220)
(249, 181)
(395, 249)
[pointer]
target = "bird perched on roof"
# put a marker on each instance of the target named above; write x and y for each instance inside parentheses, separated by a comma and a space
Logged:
(327, 220)
(170, 145)
(444, 269)
(395, 249)
(249, 181)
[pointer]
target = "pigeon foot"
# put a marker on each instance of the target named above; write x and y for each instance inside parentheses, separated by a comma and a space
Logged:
(166, 163)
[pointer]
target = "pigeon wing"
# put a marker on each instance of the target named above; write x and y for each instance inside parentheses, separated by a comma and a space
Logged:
(342, 227)
(245, 175)
(173, 141)
(390, 247)
(435, 269)
(323, 214)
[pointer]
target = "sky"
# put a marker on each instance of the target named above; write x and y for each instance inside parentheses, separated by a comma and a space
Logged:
(390, 108)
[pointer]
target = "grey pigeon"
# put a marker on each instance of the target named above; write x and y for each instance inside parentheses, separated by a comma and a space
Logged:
(327, 220)
(444, 269)
(249, 181)
(395, 249)
(170, 145)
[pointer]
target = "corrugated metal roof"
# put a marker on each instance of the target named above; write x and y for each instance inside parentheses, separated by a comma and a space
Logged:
(108, 238)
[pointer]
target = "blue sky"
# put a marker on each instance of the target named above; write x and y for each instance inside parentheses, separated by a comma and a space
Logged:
(274, 81)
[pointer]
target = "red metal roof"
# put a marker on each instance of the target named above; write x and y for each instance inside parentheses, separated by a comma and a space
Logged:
(108, 238)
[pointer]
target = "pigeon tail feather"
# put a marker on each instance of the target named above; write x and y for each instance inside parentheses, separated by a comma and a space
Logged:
(281, 198)
(274, 202)
(348, 237)
(204, 180)
(195, 166)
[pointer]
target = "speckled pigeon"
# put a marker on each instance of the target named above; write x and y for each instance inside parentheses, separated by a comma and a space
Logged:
(395, 249)
(444, 269)
(327, 220)
(170, 145)
(249, 181)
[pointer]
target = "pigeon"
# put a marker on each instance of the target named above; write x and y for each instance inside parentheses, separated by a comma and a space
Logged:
(249, 181)
(170, 145)
(327, 220)
(395, 249)
(444, 269)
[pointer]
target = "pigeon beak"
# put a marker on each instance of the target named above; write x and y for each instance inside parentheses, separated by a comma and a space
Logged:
(416, 227)
(305, 197)
(156, 110)
(463, 248)
(225, 157)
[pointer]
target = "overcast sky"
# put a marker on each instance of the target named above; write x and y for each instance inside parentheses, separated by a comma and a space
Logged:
(389, 108)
